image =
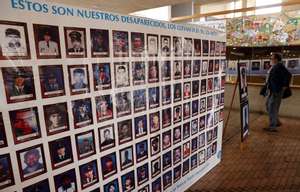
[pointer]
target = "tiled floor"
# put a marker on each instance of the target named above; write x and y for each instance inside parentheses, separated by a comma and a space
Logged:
(267, 162)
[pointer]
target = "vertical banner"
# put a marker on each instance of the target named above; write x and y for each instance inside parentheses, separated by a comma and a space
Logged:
(244, 104)
(95, 101)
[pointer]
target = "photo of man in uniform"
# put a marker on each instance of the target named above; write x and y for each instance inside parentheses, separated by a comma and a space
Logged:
(141, 150)
(120, 43)
(153, 97)
(19, 84)
(123, 104)
(66, 182)
(155, 145)
(104, 107)
(108, 164)
(126, 157)
(153, 73)
(82, 112)
(138, 72)
(187, 47)
(75, 41)
(177, 43)
(100, 42)
(142, 174)
(139, 98)
(165, 45)
(125, 131)
(61, 152)
(177, 69)
(32, 161)
(88, 174)
(107, 137)
(56, 118)
(122, 78)
(128, 183)
(137, 44)
(152, 43)
(13, 40)
(52, 81)
(25, 124)
(166, 71)
(79, 79)
(85, 144)
(112, 186)
(166, 94)
(102, 76)
(47, 41)
(197, 47)
(140, 126)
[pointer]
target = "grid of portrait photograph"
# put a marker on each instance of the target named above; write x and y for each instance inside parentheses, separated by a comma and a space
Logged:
(106, 109)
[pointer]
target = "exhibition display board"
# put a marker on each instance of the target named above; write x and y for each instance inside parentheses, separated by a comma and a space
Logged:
(97, 101)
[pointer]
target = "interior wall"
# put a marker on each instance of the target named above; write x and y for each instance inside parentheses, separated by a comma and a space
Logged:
(289, 107)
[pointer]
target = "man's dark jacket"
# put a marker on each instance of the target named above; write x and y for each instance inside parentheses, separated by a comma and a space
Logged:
(279, 77)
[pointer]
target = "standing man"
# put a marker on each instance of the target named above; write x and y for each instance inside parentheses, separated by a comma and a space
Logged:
(277, 81)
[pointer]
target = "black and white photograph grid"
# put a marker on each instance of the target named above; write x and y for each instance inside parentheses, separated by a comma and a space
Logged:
(134, 119)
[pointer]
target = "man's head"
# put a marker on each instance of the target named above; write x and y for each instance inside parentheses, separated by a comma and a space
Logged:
(75, 37)
(47, 36)
(78, 75)
(54, 117)
(276, 58)
(106, 134)
(31, 157)
(61, 149)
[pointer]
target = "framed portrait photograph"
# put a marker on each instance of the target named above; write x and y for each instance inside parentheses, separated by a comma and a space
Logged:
(139, 73)
(167, 180)
(31, 162)
(153, 71)
(75, 41)
(61, 152)
(245, 120)
(139, 100)
(217, 66)
(109, 165)
(19, 84)
(201, 140)
(214, 148)
(176, 155)
(14, 41)
(166, 94)
(242, 75)
(195, 107)
(102, 76)
(194, 144)
(123, 104)
(88, 174)
(176, 134)
(166, 117)
(153, 95)
(141, 150)
(216, 117)
(202, 156)
(166, 70)
(209, 102)
(196, 68)
(177, 114)
(217, 100)
(177, 92)
(128, 182)
(215, 132)
(218, 47)
(126, 157)
(212, 48)
(52, 81)
(79, 79)
(185, 167)
(223, 82)
(223, 48)
(186, 149)
(137, 44)
(66, 181)
(3, 138)
(188, 47)
(208, 152)
(122, 78)
(7, 176)
(152, 45)
(186, 90)
(156, 185)
(195, 88)
(187, 69)
(221, 115)
(203, 86)
(82, 112)
(154, 121)
(217, 84)
(211, 66)
(202, 122)
(204, 68)
(177, 46)
(197, 47)
(177, 69)
(210, 86)
(155, 145)
(85, 143)
(111, 186)
(194, 126)
(104, 107)
(167, 160)
(142, 174)
(165, 45)
(99, 42)
(140, 126)
(194, 161)
(186, 110)
(125, 131)
(39, 186)
(205, 47)
(166, 139)
(25, 124)
(186, 130)
(223, 66)
(120, 43)
(47, 41)
(107, 138)
(56, 118)
(155, 167)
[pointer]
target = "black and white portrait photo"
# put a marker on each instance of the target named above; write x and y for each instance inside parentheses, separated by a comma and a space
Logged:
(75, 39)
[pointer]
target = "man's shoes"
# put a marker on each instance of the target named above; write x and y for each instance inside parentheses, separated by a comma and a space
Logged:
(271, 129)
